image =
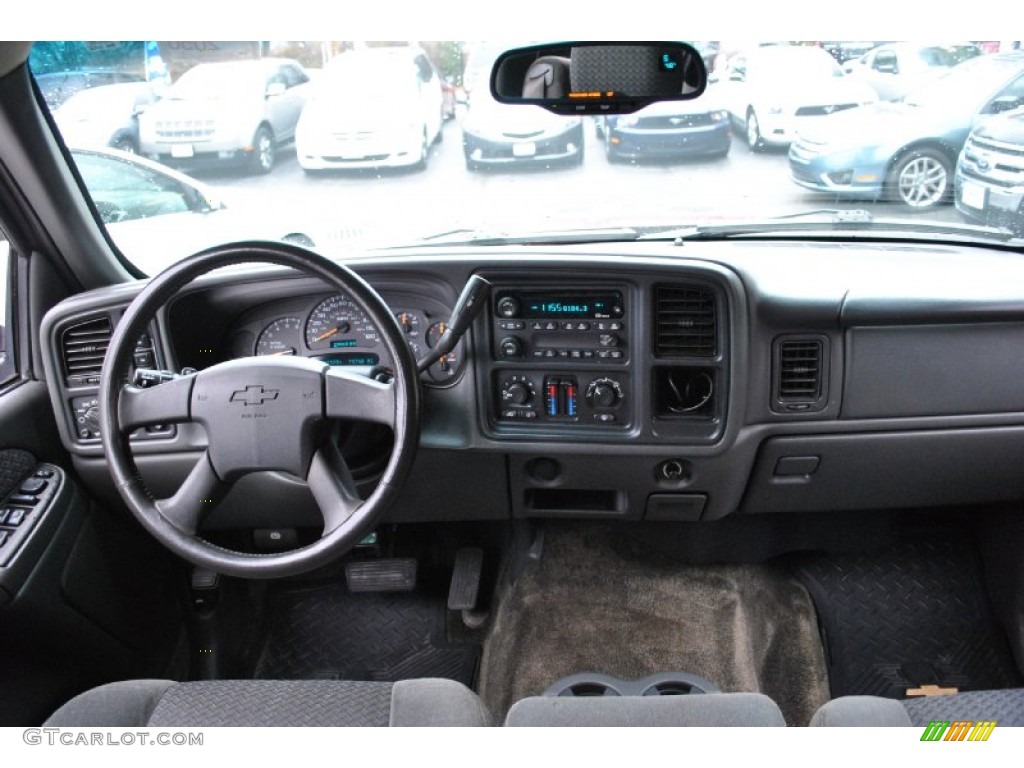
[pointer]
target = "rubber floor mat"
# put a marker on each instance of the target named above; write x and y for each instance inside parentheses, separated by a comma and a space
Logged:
(326, 632)
(912, 615)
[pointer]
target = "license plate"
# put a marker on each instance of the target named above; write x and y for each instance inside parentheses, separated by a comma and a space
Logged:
(182, 150)
(973, 195)
(524, 149)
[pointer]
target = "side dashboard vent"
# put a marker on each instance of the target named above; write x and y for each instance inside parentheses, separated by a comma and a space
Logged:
(82, 349)
(801, 367)
(684, 321)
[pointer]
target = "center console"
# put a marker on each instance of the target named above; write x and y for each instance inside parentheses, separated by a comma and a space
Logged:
(561, 358)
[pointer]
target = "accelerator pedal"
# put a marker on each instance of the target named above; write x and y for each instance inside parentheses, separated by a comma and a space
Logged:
(465, 587)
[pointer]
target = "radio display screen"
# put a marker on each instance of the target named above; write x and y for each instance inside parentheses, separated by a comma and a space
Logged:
(604, 305)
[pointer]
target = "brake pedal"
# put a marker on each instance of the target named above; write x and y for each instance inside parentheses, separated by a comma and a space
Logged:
(465, 587)
(385, 575)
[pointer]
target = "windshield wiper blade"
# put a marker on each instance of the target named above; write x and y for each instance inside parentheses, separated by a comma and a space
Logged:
(835, 220)
(553, 237)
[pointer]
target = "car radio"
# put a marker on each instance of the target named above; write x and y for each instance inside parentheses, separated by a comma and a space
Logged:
(569, 325)
(565, 346)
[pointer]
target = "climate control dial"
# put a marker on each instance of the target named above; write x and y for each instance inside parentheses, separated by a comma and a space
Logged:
(604, 393)
(517, 391)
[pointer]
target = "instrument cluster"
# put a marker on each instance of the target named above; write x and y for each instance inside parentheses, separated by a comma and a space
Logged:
(334, 329)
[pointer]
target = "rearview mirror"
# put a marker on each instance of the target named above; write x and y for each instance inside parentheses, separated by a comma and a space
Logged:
(600, 77)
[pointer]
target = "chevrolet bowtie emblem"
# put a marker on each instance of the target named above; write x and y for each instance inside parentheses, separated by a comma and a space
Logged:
(254, 395)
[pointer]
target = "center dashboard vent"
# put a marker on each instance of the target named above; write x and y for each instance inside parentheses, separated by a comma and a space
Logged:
(684, 321)
(83, 347)
(800, 374)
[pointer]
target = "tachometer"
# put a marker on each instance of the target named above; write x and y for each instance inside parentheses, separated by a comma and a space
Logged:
(337, 323)
(281, 337)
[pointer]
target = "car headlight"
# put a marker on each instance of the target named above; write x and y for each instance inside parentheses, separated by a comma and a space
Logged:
(719, 116)
(627, 121)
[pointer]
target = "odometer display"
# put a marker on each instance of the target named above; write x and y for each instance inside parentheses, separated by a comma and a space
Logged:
(351, 358)
(337, 323)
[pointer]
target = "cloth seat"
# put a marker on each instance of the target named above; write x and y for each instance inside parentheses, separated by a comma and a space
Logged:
(212, 703)
(701, 710)
(1005, 706)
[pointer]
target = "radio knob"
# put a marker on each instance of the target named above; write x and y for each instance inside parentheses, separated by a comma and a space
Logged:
(511, 347)
(508, 306)
(604, 393)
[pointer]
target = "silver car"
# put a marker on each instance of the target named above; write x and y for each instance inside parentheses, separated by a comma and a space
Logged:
(234, 111)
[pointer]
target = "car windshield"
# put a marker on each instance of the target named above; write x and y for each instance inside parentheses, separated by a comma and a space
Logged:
(352, 146)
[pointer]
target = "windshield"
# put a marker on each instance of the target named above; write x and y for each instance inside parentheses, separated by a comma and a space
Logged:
(351, 146)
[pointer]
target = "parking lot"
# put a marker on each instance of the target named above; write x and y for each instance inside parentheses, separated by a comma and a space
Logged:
(357, 208)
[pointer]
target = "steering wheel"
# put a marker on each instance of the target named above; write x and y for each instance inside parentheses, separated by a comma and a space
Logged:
(260, 414)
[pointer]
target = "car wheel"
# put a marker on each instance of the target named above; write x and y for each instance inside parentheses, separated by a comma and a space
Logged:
(921, 179)
(125, 144)
(754, 139)
(609, 149)
(264, 153)
(421, 164)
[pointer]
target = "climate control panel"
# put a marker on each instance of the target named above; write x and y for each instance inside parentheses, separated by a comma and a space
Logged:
(562, 397)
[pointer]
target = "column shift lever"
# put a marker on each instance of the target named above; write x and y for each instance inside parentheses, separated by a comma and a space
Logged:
(472, 299)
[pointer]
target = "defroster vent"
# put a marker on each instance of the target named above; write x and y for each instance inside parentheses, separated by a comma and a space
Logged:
(684, 319)
(82, 349)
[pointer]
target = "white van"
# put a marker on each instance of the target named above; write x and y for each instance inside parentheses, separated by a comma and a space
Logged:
(389, 119)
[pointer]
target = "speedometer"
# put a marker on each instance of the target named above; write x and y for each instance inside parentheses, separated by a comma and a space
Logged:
(337, 323)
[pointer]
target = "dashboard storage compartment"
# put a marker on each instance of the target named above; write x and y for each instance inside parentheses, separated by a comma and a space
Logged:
(575, 500)
(888, 470)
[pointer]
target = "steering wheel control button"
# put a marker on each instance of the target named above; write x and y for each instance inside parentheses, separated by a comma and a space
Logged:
(15, 517)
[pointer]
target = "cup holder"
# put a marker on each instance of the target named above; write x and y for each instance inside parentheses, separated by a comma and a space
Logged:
(661, 684)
